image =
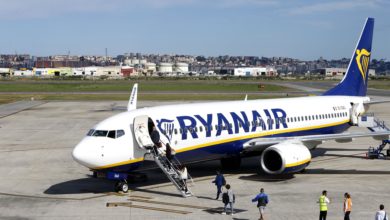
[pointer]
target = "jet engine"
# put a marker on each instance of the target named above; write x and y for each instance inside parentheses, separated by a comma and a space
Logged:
(285, 157)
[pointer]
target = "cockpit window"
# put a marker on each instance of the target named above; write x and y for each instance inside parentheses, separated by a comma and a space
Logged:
(100, 133)
(104, 133)
(111, 134)
(120, 133)
(90, 132)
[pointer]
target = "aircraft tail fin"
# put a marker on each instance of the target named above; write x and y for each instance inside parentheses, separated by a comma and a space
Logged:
(354, 82)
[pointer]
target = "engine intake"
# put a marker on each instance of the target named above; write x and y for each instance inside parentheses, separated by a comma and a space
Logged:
(285, 157)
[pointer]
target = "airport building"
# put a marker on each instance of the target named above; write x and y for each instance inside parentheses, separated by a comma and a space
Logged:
(24, 72)
(255, 71)
(5, 71)
(339, 72)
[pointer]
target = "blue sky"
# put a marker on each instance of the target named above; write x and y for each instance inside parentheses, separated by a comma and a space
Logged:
(301, 29)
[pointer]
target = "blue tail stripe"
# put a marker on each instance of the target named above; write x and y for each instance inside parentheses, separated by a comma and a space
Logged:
(354, 82)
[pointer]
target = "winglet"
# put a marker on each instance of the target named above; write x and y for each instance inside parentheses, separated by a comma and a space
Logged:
(133, 98)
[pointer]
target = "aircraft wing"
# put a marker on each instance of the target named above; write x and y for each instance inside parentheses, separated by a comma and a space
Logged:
(374, 102)
(310, 141)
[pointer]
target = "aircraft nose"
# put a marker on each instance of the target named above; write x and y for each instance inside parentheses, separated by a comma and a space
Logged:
(80, 154)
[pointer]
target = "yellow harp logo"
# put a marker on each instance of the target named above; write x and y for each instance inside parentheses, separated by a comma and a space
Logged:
(362, 60)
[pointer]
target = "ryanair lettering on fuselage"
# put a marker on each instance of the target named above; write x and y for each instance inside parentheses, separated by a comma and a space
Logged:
(231, 123)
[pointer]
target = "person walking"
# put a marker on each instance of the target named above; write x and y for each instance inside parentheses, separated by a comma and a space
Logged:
(228, 198)
(219, 182)
(381, 214)
(347, 206)
(323, 201)
(168, 154)
(155, 136)
(184, 177)
(262, 201)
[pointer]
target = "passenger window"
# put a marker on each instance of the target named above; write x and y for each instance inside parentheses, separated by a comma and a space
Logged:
(195, 129)
(175, 130)
(200, 128)
(305, 118)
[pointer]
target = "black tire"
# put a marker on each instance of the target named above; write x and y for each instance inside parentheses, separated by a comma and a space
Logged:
(231, 163)
(124, 187)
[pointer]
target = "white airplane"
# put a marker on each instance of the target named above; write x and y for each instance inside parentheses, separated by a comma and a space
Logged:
(282, 131)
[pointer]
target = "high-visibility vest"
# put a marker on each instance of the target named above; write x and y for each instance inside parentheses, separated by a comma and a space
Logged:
(323, 205)
(348, 205)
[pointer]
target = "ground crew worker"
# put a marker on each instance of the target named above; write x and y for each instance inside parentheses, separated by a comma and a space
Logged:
(347, 206)
(323, 200)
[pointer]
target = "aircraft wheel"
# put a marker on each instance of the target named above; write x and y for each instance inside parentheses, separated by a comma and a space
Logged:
(124, 187)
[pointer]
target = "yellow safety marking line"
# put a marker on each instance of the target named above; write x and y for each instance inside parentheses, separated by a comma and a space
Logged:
(208, 144)
(169, 204)
(130, 205)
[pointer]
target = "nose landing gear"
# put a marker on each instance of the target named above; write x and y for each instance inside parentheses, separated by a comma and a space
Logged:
(122, 186)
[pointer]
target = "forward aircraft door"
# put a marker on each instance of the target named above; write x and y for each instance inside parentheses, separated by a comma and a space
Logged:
(141, 132)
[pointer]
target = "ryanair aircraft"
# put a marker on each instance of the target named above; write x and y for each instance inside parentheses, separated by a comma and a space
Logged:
(282, 131)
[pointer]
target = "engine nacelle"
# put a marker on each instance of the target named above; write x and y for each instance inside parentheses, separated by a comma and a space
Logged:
(285, 157)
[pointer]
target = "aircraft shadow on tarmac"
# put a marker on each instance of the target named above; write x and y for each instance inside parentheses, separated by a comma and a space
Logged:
(79, 186)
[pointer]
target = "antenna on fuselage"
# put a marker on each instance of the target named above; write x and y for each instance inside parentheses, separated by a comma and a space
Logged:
(132, 105)
(246, 97)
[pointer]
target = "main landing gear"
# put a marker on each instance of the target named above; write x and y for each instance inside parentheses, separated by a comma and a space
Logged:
(121, 186)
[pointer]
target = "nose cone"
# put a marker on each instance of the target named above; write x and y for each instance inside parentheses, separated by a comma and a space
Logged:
(82, 154)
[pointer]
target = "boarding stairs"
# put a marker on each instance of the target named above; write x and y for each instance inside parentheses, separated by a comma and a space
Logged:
(171, 169)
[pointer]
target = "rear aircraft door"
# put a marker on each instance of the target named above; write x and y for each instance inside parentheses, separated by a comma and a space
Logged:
(141, 132)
